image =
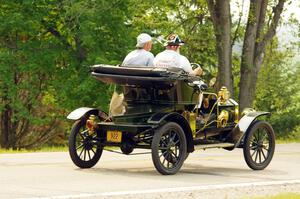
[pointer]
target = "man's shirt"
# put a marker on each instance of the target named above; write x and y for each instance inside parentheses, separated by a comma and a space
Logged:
(171, 58)
(138, 57)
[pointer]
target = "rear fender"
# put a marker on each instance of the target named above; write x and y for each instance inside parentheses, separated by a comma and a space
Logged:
(239, 131)
(81, 112)
(161, 118)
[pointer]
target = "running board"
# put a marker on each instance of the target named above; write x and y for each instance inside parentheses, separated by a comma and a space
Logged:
(219, 145)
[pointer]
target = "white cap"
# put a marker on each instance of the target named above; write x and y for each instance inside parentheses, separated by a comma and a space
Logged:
(142, 39)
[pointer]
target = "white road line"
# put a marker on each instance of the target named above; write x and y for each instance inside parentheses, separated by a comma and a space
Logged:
(175, 189)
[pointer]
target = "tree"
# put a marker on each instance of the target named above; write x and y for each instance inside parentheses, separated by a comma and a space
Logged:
(45, 51)
(90, 33)
(278, 89)
(23, 81)
(220, 15)
(259, 33)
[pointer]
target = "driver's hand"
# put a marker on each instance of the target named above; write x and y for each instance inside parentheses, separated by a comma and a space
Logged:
(198, 71)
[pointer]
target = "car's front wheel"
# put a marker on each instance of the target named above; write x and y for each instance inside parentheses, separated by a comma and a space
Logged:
(259, 145)
(169, 148)
(84, 148)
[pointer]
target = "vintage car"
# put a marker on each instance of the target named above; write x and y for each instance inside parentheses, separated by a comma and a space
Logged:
(171, 113)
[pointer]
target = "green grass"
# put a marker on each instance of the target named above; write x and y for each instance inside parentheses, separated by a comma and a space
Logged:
(45, 149)
(287, 141)
(42, 149)
(293, 137)
(281, 196)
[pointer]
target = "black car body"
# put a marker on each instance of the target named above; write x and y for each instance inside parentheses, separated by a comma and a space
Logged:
(171, 113)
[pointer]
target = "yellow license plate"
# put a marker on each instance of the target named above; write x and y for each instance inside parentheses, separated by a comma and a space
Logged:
(114, 136)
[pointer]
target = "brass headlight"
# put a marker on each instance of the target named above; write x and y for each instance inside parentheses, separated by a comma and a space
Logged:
(223, 94)
(223, 118)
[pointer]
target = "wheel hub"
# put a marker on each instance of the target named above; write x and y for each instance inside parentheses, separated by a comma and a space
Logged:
(260, 144)
(170, 146)
(88, 145)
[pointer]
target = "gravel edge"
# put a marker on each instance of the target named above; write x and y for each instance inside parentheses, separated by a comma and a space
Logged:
(232, 193)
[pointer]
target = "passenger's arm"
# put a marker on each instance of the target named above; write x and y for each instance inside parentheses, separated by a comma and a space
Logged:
(185, 63)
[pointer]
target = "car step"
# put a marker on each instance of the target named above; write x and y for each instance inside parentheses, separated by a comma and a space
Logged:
(218, 145)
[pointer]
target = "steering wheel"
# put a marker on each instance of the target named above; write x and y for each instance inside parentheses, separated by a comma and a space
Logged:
(195, 65)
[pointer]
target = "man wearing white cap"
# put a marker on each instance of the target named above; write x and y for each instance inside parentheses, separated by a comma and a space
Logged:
(141, 56)
(171, 57)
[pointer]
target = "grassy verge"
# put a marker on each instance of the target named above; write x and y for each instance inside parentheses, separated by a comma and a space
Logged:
(45, 149)
(42, 149)
(282, 196)
(287, 141)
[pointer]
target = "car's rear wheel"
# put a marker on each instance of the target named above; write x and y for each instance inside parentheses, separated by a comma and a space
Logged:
(259, 145)
(169, 148)
(84, 148)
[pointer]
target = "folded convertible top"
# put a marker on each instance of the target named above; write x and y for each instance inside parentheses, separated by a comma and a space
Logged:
(140, 76)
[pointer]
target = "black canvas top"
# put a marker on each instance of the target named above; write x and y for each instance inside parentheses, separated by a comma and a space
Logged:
(140, 75)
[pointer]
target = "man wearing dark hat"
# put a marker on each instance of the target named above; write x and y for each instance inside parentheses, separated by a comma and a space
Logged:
(172, 58)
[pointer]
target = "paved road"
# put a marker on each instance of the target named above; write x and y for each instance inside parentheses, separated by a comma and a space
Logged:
(51, 175)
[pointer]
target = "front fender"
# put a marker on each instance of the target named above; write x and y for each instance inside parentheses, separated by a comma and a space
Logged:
(242, 126)
(80, 112)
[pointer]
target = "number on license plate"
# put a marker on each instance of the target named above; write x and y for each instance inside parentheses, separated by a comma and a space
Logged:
(114, 136)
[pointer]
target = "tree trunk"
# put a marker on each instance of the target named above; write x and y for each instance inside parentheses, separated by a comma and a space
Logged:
(6, 127)
(246, 94)
(220, 15)
(254, 46)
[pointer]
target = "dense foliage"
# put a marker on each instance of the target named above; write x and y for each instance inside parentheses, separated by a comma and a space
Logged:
(46, 48)
(278, 92)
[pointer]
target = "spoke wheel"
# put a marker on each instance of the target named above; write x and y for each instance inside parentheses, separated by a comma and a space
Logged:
(169, 148)
(83, 148)
(259, 145)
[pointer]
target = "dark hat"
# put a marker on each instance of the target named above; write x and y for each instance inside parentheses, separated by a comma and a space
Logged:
(174, 40)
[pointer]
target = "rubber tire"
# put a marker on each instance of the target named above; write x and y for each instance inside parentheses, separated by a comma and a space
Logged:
(155, 144)
(246, 148)
(73, 152)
